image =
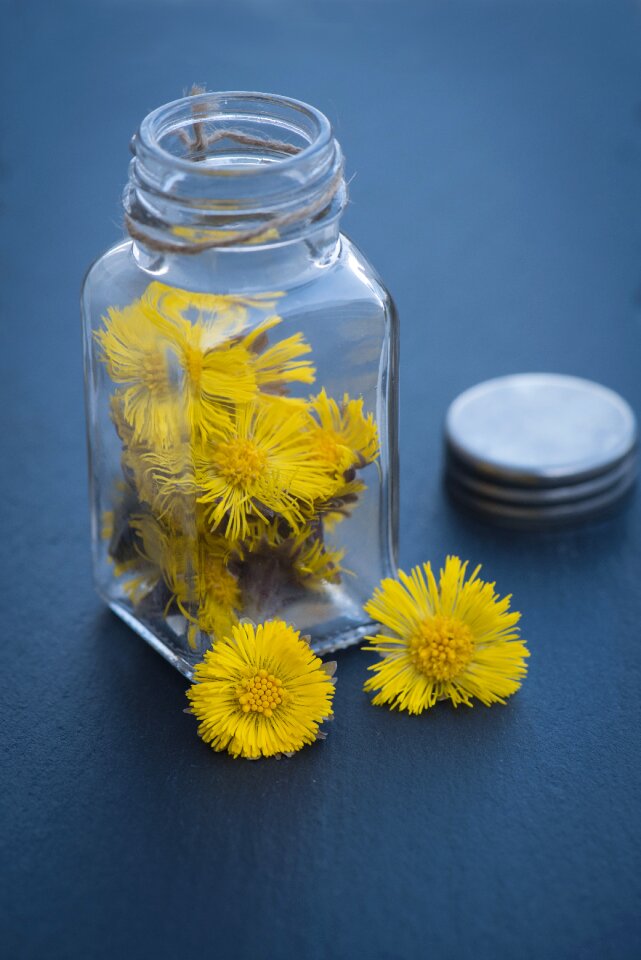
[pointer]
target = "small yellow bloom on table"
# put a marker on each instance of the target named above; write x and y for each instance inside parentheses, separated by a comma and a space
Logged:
(452, 640)
(261, 692)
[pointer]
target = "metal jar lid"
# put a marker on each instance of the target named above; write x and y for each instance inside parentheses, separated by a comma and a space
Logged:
(539, 448)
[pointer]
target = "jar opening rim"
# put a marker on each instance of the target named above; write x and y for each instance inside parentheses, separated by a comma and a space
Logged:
(313, 127)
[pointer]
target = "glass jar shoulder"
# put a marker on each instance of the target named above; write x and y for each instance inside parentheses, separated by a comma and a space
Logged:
(121, 275)
(113, 279)
(365, 280)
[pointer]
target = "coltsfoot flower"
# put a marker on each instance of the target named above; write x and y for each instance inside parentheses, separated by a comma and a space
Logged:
(259, 466)
(342, 432)
(174, 376)
(181, 359)
(261, 692)
(454, 640)
(347, 438)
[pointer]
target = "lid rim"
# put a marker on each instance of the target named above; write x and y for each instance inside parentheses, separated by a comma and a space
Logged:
(501, 492)
(540, 516)
(521, 477)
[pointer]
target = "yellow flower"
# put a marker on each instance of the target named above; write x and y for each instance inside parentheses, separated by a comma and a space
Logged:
(261, 692)
(260, 465)
(276, 565)
(226, 318)
(164, 480)
(342, 433)
(184, 359)
(452, 640)
(163, 555)
(213, 594)
(311, 561)
(280, 364)
(348, 439)
(195, 571)
(175, 374)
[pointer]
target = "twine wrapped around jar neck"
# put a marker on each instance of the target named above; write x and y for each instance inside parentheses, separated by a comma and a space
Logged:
(140, 224)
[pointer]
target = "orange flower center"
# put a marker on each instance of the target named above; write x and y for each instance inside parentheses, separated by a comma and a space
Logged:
(441, 647)
(262, 693)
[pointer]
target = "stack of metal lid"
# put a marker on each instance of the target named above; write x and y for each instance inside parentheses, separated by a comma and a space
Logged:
(540, 449)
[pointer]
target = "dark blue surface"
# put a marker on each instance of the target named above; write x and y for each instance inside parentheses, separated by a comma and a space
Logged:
(497, 153)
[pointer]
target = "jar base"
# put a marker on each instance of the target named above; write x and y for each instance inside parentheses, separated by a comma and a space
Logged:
(336, 635)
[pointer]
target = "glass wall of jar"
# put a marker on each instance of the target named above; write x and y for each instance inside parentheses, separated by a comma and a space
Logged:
(241, 380)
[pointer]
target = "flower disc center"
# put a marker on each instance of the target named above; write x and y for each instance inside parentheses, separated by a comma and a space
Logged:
(441, 647)
(261, 693)
(240, 461)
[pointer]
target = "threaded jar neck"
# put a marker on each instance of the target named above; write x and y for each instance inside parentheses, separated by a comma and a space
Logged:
(232, 169)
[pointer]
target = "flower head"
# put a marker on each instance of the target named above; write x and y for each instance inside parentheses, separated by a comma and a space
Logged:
(342, 432)
(281, 363)
(347, 439)
(258, 466)
(261, 692)
(313, 562)
(174, 375)
(452, 640)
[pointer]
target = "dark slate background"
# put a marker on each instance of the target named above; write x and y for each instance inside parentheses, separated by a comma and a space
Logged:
(497, 154)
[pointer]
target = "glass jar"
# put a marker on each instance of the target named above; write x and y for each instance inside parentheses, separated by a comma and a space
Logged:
(241, 371)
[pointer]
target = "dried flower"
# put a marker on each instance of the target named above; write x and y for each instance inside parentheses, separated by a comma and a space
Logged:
(181, 359)
(259, 466)
(454, 640)
(195, 572)
(261, 692)
(342, 433)
(175, 375)
(280, 364)
(348, 439)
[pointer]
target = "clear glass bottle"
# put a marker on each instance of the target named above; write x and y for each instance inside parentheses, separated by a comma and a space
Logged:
(241, 371)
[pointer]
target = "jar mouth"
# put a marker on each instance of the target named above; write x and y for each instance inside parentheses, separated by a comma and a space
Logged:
(168, 131)
(223, 169)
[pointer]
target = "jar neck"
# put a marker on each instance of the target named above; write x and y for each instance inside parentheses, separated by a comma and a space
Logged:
(218, 174)
(273, 266)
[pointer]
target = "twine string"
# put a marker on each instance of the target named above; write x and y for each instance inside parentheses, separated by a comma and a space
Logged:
(137, 221)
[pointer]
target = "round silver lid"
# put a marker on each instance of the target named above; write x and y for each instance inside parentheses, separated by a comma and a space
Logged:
(540, 429)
